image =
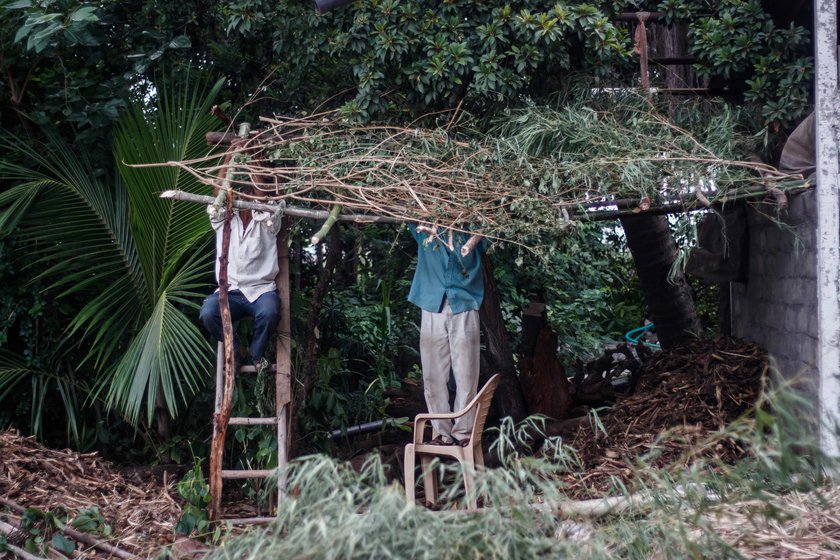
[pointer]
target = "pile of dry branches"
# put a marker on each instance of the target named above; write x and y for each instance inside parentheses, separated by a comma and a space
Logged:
(495, 184)
(142, 513)
(687, 395)
(408, 174)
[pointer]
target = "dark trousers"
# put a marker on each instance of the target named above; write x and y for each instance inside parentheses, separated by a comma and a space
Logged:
(265, 311)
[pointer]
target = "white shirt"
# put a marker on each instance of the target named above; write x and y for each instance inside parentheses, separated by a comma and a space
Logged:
(252, 256)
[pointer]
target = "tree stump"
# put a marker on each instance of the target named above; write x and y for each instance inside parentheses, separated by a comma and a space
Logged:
(546, 388)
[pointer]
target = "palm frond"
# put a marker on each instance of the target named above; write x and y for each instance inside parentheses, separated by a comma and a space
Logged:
(136, 260)
(166, 354)
(165, 230)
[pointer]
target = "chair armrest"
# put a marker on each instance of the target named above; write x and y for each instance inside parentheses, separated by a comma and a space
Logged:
(421, 419)
(419, 428)
(442, 415)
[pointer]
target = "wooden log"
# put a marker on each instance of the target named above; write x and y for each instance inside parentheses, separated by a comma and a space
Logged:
(217, 112)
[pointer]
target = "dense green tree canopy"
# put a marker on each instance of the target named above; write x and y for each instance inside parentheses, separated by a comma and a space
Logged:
(71, 69)
(75, 63)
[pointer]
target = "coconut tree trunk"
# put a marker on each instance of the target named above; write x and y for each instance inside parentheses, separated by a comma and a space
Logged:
(669, 301)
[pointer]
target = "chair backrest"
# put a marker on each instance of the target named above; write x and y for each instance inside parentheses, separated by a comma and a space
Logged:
(481, 402)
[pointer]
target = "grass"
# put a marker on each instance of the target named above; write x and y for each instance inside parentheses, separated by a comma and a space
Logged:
(771, 503)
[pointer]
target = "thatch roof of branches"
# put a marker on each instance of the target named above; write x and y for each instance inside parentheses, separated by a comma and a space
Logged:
(536, 169)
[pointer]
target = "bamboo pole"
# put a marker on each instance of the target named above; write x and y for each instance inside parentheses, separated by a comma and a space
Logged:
(289, 210)
(691, 205)
(328, 224)
(9, 529)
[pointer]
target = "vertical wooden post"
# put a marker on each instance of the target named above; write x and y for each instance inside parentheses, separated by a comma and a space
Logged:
(641, 48)
(222, 413)
(283, 378)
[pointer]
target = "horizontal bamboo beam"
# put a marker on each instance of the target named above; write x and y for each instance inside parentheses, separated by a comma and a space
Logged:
(289, 210)
(577, 212)
(256, 473)
(691, 205)
(252, 421)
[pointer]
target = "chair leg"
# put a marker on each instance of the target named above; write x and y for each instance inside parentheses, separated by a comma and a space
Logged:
(409, 474)
(429, 479)
(479, 463)
(469, 479)
(479, 456)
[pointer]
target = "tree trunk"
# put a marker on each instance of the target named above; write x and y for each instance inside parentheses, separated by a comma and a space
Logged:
(669, 302)
(546, 388)
(306, 376)
(163, 422)
(498, 357)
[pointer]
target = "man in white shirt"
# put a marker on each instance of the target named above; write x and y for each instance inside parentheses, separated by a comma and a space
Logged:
(252, 267)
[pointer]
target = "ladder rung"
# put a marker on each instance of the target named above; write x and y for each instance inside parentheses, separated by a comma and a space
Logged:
(243, 421)
(249, 368)
(264, 473)
(248, 520)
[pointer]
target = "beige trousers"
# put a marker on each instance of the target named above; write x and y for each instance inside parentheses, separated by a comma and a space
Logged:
(450, 342)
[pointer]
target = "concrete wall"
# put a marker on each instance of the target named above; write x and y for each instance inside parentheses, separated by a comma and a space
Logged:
(777, 307)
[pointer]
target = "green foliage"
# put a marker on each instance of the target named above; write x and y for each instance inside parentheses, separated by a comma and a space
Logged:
(74, 64)
(89, 520)
(42, 529)
(428, 54)
(195, 491)
(73, 27)
(738, 41)
(45, 528)
(587, 281)
(340, 513)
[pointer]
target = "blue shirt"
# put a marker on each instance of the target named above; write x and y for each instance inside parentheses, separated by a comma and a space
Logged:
(441, 272)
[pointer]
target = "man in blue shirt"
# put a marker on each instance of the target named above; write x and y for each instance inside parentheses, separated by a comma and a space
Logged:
(448, 287)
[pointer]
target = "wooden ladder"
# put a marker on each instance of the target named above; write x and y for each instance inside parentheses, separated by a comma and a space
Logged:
(282, 398)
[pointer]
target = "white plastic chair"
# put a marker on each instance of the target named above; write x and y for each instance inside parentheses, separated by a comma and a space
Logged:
(469, 456)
